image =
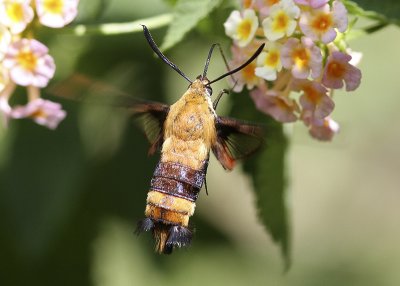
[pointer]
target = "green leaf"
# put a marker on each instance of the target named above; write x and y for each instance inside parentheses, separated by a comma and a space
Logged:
(39, 185)
(267, 170)
(383, 10)
(389, 8)
(187, 13)
(170, 2)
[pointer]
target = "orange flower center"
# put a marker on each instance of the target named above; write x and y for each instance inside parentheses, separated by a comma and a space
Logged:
(38, 114)
(322, 22)
(247, 3)
(336, 69)
(281, 21)
(15, 12)
(27, 60)
(300, 57)
(312, 94)
(244, 29)
(248, 72)
(53, 6)
(272, 59)
(283, 104)
(271, 2)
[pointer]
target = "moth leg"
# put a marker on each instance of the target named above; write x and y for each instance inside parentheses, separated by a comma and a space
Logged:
(221, 93)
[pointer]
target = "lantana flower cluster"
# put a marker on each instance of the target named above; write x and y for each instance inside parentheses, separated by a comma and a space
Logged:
(304, 60)
(24, 61)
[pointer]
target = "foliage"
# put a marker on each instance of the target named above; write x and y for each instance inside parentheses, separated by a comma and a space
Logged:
(267, 170)
(187, 13)
(54, 194)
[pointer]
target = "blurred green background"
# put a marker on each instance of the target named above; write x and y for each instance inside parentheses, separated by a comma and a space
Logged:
(70, 198)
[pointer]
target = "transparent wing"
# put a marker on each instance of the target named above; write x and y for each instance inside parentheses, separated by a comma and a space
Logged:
(148, 116)
(236, 140)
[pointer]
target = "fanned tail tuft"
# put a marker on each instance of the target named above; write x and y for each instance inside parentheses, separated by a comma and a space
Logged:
(144, 225)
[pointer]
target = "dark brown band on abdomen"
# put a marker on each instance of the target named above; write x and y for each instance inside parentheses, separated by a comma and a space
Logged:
(177, 180)
(174, 188)
(180, 173)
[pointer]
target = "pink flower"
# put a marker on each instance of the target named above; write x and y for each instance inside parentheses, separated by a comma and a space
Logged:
(5, 40)
(245, 77)
(6, 89)
(29, 63)
(56, 13)
(4, 79)
(320, 24)
(5, 108)
(281, 108)
(325, 130)
(43, 112)
(314, 98)
(339, 70)
(247, 4)
(302, 58)
(312, 3)
(16, 14)
(264, 6)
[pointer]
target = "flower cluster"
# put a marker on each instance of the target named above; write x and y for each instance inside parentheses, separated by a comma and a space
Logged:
(305, 54)
(25, 61)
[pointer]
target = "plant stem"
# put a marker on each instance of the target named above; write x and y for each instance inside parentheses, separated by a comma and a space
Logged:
(119, 28)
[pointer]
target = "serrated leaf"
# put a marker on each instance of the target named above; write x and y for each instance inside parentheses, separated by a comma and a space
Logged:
(187, 13)
(267, 170)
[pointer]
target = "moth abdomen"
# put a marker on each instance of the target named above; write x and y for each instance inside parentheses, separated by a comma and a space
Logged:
(171, 201)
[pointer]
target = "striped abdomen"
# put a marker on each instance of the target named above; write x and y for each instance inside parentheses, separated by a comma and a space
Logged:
(171, 201)
(173, 192)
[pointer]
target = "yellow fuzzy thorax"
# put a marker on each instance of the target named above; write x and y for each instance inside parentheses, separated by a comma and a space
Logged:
(190, 128)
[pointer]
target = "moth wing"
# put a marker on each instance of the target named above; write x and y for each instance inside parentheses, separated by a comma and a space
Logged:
(148, 116)
(235, 140)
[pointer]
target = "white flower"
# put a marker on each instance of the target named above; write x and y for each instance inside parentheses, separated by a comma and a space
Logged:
(16, 14)
(241, 29)
(281, 20)
(5, 40)
(269, 62)
(56, 13)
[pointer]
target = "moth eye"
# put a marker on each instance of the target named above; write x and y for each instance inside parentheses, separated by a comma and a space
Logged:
(209, 90)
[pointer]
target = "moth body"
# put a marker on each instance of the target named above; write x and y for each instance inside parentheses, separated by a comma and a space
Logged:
(186, 132)
(189, 134)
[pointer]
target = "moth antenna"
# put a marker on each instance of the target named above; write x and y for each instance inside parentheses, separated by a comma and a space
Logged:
(252, 58)
(155, 48)
(209, 58)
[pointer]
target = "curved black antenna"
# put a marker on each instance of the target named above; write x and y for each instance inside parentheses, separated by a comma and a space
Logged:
(160, 54)
(259, 50)
(208, 60)
(209, 57)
